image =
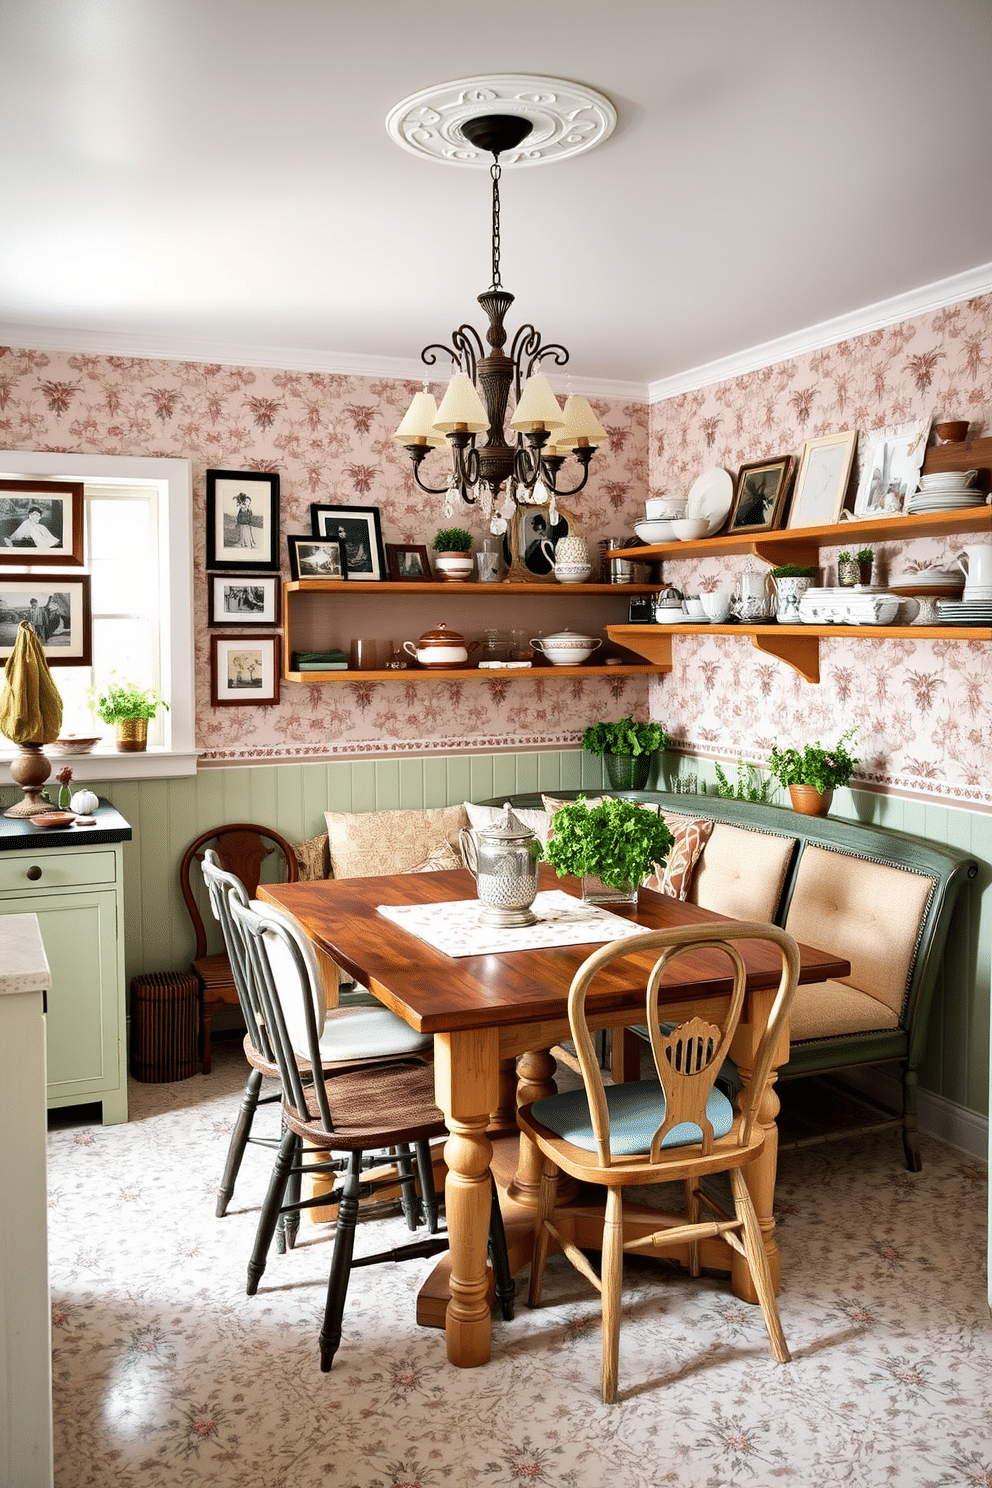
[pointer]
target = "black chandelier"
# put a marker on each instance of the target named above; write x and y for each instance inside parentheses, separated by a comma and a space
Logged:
(478, 394)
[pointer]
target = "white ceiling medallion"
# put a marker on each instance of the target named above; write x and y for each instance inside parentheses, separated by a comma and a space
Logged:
(566, 118)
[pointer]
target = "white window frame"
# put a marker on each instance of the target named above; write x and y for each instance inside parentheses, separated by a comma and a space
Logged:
(177, 756)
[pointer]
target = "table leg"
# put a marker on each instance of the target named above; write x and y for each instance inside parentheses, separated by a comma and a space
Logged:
(466, 1080)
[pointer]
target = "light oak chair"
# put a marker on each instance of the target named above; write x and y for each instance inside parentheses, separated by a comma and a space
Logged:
(677, 1127)
(365, 1109)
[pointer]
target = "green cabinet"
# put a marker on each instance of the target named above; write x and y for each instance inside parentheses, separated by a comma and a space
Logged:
(77, 895)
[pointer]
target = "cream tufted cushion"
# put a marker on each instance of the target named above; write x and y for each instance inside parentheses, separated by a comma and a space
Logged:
(869, 912)
(365, 843)
(741, 873)
(826, 1010)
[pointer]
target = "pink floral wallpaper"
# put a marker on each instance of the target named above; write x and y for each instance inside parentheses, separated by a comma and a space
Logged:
(922, 708)
(329, 439)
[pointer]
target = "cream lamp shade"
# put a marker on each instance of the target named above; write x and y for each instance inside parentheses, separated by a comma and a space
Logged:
(538, 407)
(461, 408)
(582, 427)
(417, 426)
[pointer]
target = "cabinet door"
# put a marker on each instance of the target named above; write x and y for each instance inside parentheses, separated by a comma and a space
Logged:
(85, 1013)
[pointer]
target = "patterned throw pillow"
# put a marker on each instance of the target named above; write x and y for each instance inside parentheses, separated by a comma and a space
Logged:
(365, 843)
(312, 858)
(437, 860)
(691, 836)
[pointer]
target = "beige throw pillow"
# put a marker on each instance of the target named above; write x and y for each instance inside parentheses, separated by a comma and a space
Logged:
(366, 843)
(481, 817)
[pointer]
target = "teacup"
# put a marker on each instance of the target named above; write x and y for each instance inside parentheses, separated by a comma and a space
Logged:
(716, 605)
(693, 607)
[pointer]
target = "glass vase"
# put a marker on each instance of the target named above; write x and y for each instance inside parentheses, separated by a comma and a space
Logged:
(595, 891)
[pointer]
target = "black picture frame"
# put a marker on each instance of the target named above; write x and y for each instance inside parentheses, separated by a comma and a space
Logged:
(243, 521)
(244, 671)
(60, 612)
(360, 529)
(760, 494)
(41, 522)
(409, 563)
(243, 599)
(316, 557)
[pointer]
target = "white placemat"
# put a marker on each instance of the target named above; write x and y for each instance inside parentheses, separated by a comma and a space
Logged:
(454, 927)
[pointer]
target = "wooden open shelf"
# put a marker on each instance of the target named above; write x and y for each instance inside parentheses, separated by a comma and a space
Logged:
(414, 673)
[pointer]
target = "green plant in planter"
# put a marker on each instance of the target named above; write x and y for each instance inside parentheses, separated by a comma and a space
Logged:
(119, 700)
(751, 784)
(794, 571)
(616, 841)
(864, 555)
(823, 769)
(626, 747)
(453, 540)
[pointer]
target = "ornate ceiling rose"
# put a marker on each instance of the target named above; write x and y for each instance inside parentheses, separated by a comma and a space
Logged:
(565, 118)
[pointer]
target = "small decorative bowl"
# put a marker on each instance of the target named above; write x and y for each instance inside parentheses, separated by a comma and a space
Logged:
(687, 529)
(53, 819)
(572, 573)
(71, 745)
(660, 508)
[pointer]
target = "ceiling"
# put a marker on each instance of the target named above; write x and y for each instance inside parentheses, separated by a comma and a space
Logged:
(215, 180)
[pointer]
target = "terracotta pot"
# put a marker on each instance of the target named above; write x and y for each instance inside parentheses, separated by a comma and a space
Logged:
(131, 735)
(807, 800)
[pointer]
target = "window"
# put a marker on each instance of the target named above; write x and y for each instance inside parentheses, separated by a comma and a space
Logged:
(139, 554)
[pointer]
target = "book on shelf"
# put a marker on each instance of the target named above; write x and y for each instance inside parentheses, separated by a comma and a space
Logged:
(318, 661)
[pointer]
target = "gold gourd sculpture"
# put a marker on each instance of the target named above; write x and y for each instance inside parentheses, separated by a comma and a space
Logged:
(30, 716)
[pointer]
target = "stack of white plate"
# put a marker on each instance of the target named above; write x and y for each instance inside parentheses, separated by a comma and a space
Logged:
(964, 611)
(951, 490)
(928, 578)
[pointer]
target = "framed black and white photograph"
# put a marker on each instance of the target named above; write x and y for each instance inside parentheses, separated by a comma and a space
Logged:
(822, 480)
(59, 612)
(243, 599)
(242, 520)
(360, 531)
(317, 557)
(244, 670)
(529, 544)
(760, 494)
(41, 522)
(892, 470)
(408, 563)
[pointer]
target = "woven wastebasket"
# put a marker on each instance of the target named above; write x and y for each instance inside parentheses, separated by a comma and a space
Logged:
(165, 1018)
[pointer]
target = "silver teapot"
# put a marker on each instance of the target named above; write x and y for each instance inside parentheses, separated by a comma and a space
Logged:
(503, 861)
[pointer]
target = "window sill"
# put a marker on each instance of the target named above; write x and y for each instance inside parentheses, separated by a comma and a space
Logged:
(107, 764)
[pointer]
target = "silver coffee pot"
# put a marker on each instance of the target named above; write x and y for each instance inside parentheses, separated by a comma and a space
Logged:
(503, 861)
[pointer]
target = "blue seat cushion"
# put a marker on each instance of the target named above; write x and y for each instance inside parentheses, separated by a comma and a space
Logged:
(636, 1111)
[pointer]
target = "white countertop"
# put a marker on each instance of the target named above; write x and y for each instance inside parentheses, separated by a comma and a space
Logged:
(23, 963)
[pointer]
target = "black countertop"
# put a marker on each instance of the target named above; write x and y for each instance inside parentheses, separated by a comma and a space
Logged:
(19, 832)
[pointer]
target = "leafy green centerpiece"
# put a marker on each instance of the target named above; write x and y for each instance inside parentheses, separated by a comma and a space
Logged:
(615, 842)
(626, 747)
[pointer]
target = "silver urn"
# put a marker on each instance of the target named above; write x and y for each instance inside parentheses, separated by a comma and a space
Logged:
(503, 861)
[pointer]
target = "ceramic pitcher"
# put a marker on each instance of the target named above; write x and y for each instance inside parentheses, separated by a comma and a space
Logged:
(789, 591)
(975, 562)
(503, 861)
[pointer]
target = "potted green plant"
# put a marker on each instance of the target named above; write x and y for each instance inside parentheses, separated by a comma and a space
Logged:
(453, 547)
(791, 581)
(813, 773)
(611, 846)
(855, 568)
(627, 747)
(751, 784)
(128, 707)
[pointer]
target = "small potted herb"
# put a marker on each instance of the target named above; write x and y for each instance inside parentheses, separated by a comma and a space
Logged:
(626, 747)
(855, 568)
(791, 581)
(751, 784)
(611, 846)
(813, 773)
(128, 707)
(453, 547)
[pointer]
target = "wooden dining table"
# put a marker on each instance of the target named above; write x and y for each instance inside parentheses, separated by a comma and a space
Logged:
(494, 1019)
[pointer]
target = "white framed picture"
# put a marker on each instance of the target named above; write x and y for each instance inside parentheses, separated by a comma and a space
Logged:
(892, 470)
(823, 478)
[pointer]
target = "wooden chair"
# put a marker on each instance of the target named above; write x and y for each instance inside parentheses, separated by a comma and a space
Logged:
(679, 1127)
(354, 1112)
(362, 1035)
(241, 849)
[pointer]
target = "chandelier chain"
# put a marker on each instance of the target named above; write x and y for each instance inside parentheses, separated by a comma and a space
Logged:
(495, 172)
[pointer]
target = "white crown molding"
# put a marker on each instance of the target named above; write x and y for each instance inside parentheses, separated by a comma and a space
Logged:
(964, 286)
(284, 358)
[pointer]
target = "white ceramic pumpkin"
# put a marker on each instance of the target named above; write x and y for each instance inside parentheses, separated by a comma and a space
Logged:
(84, 802)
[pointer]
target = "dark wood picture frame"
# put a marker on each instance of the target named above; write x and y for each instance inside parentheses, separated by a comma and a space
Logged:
(360, 528)
(529, 543)
(244, 671)
(316, 557)
(760, 494)
(409, 563)
(242, 521)
(63, 617)
(41, 522)
(243, 599)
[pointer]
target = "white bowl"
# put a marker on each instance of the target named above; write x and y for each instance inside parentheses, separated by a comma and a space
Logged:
(572, 573)
(662, 507)
(689, 528)
(654, 532)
